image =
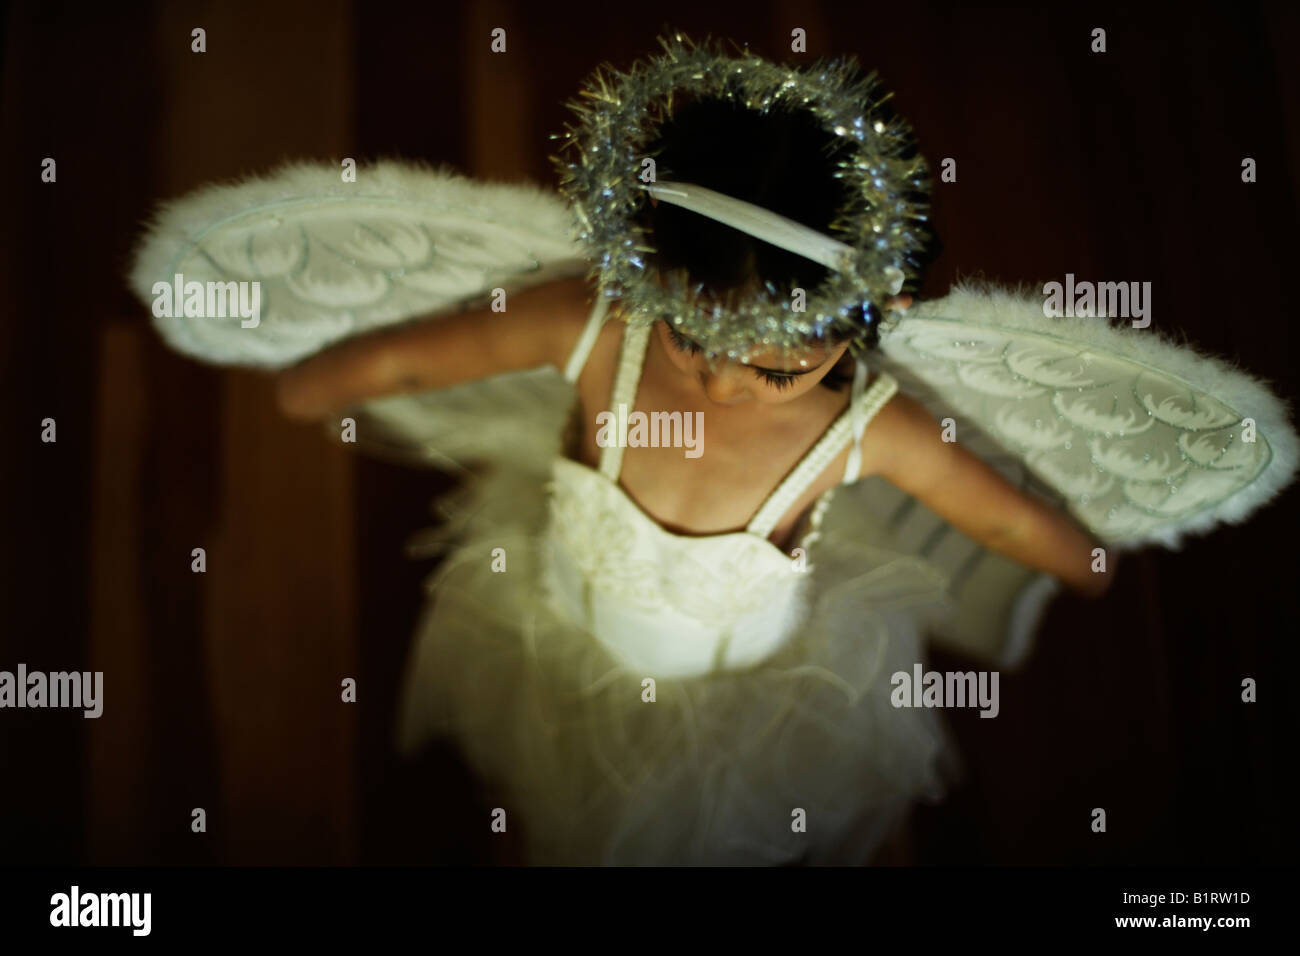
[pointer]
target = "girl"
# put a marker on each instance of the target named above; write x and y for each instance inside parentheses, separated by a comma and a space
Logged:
(659, 657)
(649, 678)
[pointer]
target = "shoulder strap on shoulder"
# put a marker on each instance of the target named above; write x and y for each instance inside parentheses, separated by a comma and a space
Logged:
(631, 359)
(582, 350)
(862, 409)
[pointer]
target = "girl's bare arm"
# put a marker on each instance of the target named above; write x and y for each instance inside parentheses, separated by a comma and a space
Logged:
(910, 453)
(538, 327)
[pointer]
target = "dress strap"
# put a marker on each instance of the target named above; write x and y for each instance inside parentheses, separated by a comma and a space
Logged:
(863, 406)
(581, 351)
(631, 359)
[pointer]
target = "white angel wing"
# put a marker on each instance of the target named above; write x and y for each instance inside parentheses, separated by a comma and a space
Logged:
(334, 259)
(1142, 440)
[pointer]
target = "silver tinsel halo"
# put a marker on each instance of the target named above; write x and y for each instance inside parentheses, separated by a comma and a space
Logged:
(883, 222)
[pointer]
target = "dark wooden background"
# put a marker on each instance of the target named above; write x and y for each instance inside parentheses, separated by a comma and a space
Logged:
(222, 689)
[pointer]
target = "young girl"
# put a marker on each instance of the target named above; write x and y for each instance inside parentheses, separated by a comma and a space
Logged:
(655, 653)
(648, 671)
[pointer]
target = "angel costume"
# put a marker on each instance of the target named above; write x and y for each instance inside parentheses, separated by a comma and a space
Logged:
(639, 696)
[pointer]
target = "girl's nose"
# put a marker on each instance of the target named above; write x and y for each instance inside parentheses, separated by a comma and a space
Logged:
(724, 385)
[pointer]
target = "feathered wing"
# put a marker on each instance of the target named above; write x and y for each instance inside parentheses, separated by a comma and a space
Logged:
(1143, 441)
(337, 259)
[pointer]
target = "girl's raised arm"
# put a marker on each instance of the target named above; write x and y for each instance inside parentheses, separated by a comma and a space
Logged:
(539, 326)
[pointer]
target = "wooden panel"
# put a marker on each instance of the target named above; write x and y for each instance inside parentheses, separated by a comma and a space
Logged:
(499, 90)
(275, 610)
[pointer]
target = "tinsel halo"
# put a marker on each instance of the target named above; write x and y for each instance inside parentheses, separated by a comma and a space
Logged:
(885, 220)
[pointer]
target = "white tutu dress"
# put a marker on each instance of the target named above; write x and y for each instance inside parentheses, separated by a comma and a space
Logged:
(643, 697)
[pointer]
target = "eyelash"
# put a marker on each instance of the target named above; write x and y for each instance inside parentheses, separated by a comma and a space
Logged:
(777, 381)
(682, 342)
(686, 345)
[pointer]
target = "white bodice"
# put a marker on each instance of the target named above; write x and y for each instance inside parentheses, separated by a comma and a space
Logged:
(664, 604)
(670, 605)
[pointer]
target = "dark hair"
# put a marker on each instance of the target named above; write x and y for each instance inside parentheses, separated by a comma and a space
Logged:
(782, 160)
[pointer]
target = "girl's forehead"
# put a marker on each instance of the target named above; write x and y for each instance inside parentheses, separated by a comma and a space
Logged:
(774, 358)
(771, 356)
(815, 352)
(793, 359)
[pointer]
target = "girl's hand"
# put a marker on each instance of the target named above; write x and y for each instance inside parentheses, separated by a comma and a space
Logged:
(899, 303)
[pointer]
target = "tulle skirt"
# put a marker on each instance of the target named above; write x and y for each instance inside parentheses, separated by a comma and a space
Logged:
(801, 758)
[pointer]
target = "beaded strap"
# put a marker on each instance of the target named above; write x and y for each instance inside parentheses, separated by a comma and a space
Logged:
(849, 426)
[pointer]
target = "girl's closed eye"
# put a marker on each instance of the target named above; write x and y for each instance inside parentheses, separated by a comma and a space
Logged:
(683, 343)
(775, 379)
